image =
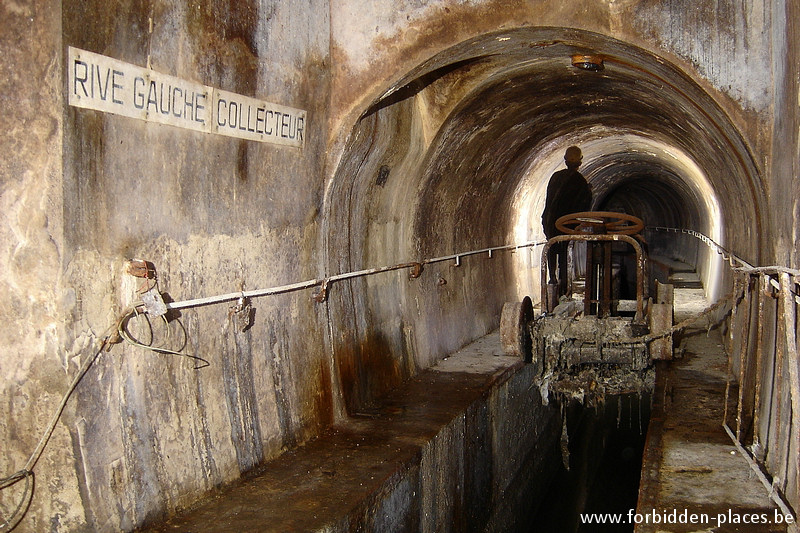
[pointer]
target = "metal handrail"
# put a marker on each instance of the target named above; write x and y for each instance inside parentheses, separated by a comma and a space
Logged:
(732, 258)
(784, 281)
(456, 257)
(323, 283)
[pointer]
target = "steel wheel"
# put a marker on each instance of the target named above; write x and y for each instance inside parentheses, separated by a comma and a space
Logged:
(608, 221)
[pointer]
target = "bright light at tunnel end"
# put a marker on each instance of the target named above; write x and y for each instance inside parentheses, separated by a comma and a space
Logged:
(605, 142)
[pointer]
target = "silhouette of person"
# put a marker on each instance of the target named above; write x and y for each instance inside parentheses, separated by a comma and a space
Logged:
(568, 192)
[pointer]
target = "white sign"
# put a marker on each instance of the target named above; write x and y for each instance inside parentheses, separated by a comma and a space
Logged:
(105, 84)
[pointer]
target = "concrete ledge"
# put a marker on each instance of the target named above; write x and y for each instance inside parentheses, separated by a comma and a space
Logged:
(690, 467)
(465, 446)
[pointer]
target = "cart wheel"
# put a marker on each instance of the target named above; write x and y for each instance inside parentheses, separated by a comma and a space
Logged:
(514, 333)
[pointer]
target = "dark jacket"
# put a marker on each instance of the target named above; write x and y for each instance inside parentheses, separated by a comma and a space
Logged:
(568, 192)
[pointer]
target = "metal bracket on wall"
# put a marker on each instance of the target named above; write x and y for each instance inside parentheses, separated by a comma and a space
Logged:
(322, 295)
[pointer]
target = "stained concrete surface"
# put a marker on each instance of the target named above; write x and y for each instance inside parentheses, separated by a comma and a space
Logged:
(390, 467)
(82, 191)
(690, 463)
(439, 453)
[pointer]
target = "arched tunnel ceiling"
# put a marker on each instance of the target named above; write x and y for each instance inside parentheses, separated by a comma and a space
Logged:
(652, 186)
(520, 113)
(456, 156)
(502, 109)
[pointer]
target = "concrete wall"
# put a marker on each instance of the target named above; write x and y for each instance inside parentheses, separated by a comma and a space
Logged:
(731, 58)
(727, 48)
(785, 174)
(82, 191)
(33, 365)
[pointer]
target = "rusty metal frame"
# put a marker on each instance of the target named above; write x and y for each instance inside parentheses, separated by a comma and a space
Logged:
(640, 264)
(787, 283)
(743, 352)
(774, 455)
(780, 351)
(763, 288)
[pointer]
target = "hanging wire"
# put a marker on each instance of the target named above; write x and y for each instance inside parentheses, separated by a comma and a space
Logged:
(123, 332)
(119, 331)
(26, 473)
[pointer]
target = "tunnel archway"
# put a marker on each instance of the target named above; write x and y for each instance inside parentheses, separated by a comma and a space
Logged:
(456, 155)
(632, 173)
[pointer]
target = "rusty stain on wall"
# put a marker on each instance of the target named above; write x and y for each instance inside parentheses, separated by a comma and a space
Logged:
(82, 192)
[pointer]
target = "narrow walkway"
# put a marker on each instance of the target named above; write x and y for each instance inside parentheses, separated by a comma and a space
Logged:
(693, 477)
(427, 457)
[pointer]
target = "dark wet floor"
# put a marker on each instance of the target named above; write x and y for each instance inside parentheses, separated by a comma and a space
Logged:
(691, 467)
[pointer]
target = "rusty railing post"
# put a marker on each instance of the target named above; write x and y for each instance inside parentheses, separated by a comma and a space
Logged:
(763, 287)
(790, 339)
(744, 349)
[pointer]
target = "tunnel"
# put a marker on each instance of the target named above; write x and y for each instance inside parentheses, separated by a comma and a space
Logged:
(256, 257)
(504, 107)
